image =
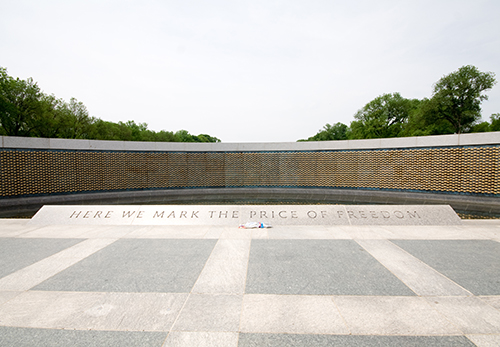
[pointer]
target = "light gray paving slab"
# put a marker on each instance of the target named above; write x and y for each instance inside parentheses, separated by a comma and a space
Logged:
(201, 339)
(485, 340)
(44, 269)
(215, 312)
(64, 231)
(168, 232)
(362, 232)
(304, 314)
(213, 232)
(109, 231)
(6, 296)
(450, 232)
(421, 278)
(492, 300)
(137, 265)
(28, 337)
(9, 229)
(260, 233)
(301, 232)
(489, 232)
(83, 249)
(13, 221)
(318, 267)
(473, 264)
(470, 314)
(226, 269)
(235, 233)
(392, 315)
(17, 253)
(301, 340)
(95, 311)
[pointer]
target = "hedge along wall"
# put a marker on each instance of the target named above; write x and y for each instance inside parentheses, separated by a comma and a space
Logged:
(458, 164)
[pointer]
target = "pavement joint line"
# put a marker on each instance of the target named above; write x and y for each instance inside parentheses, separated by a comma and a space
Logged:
(383, 264)
(244, 289)
(409, 257)
(188, 296)
(28, 274)
(341, 316)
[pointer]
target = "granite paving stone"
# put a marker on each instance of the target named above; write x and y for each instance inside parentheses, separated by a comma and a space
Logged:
(471, 314)
(28, 337)
(201, 339)
(327, 267)
(226, 269)
(210, 312)
(6, 296)
(392, 315)
(421, 278)
(474, 264)
(305, 314)
(493, 300)
(17, 253)
(209, 285)
(64, 231)
(433, 232)
(296, 340)
(485, 340)
(96, 311)
(38, 272)
(137, 265)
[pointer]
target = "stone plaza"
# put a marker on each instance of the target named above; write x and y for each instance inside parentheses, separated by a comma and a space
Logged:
(214, 284)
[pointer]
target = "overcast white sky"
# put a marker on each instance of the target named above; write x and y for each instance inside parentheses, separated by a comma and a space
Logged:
(245, 71)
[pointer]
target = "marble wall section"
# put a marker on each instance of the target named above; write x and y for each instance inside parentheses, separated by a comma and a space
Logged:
(402, 142)
(460, 170)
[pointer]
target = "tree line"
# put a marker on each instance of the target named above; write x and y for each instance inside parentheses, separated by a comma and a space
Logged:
(454, 107)
(26, 111)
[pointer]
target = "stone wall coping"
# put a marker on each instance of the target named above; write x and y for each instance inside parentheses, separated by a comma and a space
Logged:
(471, 139)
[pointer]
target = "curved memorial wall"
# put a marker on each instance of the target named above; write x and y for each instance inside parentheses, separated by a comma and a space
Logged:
(462, 170)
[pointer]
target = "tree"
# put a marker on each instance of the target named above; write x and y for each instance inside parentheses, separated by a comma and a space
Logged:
(338, 131)
(384, 116)
(495, 122)
(425, 120)
(458, 96)
(19, 104)
(26, 111)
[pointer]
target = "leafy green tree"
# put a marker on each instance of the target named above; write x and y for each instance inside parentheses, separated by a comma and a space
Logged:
(480, 127)
(338, 131)
(424, 121)
(79, 120)
(384, 116)
(458, 96)
(164, 136)
(26, 111)
(19, 104)
(495, 122)
(206, 138)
